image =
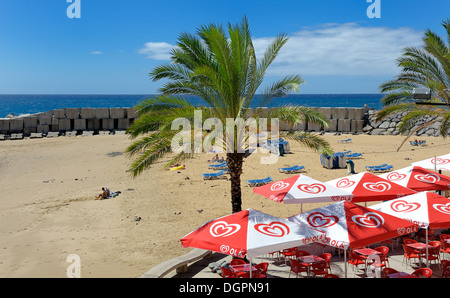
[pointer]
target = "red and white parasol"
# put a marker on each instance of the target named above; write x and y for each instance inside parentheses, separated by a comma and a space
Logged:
(350, 225)
(250, 232)
(302, 189)
(418, 179)
(367, 187)
(438, 163)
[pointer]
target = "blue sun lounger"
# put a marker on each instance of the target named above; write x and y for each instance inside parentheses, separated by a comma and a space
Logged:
(353, 155)
(218, 175)
(258, 182)
(374, 167)
(345, 141)
(220, 166)
(290, 170)
(387, 168)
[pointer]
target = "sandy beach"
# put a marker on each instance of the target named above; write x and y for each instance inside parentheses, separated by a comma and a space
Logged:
(48, 210)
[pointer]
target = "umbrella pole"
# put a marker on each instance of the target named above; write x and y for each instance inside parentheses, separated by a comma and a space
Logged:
(345, 262)
(426, 242)
(251, 266)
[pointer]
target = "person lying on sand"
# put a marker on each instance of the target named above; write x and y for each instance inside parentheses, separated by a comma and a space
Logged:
(103, 195)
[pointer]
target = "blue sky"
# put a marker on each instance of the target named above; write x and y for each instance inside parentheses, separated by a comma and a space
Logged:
(111, 49)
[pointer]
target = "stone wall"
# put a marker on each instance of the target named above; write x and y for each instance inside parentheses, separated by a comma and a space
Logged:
(88, 121)
(70, 120)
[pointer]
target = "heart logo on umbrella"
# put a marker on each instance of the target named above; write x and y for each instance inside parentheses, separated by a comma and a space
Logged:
(274, 229)
(344, 183)
(403, 206)
(377, 187)
(427, 178)
(280, 185)
(444, 208)
(368, 220)
(314, 188)
(223, 229)
(394, 176)
(320, 220)
(441, 161)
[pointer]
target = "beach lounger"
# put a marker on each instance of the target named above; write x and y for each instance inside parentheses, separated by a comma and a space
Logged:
(387, 168)
(345, 141)
(353, 155)
(374, 167)
(219, 166)
(217, 175)
(258, 182)
(290, 170)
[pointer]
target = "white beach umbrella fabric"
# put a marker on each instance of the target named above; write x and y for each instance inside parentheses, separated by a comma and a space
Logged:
(438, 163)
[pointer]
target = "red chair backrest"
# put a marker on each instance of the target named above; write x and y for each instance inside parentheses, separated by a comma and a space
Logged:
(262, 267)
(409, 241)
(227, 273)
(425, 272)
(237, 262)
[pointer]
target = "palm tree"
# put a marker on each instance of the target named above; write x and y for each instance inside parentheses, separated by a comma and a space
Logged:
(425, 67)
(223, 71)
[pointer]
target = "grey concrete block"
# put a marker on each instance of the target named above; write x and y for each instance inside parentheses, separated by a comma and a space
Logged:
(339, 113)
(300, 126)
(79, 124)
(117, 113)
(103, 132)
(332, 126)
(16, 136)
(93, 124)
(123, 123)
(2, 137)
(344, 125)
(59, 114)
(30, 122)
(131, 113)
(28, 131)
(72, 113)
(16, 125)
(71, 134)
(314, 127)
(43, 128)
(4, 125)
(53, 134)
(357, 125)
(87, 133)
(356, 113)
(87, 113)
(64, 125)
(35, 135)
(326, 112)
(102, 113)
(107, 124)
(45, 118)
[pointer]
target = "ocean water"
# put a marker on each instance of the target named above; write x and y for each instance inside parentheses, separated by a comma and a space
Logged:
(19, 104)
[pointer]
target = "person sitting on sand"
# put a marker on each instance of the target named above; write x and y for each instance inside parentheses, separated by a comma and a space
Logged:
(103, 195)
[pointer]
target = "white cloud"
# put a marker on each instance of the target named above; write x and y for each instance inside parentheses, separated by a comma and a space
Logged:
(157, 50)
(341, 49)
(330, 49)
(96, 53)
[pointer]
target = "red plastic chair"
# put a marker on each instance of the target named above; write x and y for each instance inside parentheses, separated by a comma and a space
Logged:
(409, 253)
(409, 241)
(385, 253)
(445, 268)
(262, 269)
(327, 257)
(237, 262)
(388, 270)
(329, 275)
(289, 253)
(434, 252)
(423, 272)
(355, 260)
(227, 273)
(319, 269)
(301, 253)
(445, 246)
(297, 267)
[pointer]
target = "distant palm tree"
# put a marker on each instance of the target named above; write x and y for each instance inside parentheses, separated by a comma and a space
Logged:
(223, 71)
(425, 67)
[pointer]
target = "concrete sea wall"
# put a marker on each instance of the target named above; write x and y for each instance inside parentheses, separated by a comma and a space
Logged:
(89, 121)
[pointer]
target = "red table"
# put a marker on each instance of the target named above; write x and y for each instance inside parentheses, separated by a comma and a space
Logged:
(420, 247)
(244, 268)
(310, 259)
(400, 275)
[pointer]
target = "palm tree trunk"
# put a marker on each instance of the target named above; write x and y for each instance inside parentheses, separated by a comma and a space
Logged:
(234, 161)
